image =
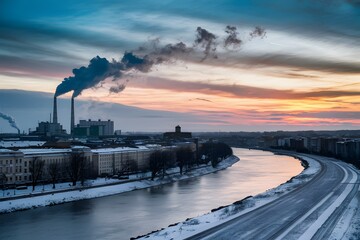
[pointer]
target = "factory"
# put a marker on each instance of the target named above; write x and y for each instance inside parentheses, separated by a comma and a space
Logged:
(94, 128)
(85, 128)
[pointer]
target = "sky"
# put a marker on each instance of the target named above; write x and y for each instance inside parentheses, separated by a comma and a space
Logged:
(285, 65)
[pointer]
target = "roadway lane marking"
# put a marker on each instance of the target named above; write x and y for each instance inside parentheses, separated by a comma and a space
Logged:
(310, 211)
(311, 231)
(304, 217)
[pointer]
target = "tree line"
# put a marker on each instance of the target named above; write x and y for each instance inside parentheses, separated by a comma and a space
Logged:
(76, 169)
(186, 159)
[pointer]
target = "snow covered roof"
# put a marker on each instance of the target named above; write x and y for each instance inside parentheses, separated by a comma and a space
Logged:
(29, 151)
(7, 144)
(119, 149)
(5, 150)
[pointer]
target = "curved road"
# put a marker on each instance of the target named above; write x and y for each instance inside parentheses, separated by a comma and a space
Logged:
(309, 212)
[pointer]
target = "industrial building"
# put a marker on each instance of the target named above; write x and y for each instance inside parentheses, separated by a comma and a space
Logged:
(94, 128)
(48, 129)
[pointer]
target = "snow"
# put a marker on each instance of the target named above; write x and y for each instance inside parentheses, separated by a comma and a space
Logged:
(349, 225)
(198, 224)
(7, 144)
(310, 232)
(29, 151)
(79, 193)
(119, 149)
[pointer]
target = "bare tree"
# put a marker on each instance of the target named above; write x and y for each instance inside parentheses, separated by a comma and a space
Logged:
(54, 172)
(184, 157)
(36, 170)
(129, 166)
(3, 180)
(77, 168)
(160, 161)
(154, 163)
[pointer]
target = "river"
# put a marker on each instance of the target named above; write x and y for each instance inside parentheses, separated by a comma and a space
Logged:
(134, 213)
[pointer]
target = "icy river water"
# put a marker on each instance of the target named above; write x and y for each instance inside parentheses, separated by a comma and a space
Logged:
(134, 213)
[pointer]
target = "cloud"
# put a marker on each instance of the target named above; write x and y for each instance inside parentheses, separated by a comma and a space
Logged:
(200, 99)
(287, 61)
(238, 91)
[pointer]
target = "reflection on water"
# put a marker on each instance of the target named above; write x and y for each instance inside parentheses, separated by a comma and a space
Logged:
(138, 212)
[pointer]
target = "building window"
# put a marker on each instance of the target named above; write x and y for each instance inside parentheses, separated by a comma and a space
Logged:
(10, 161)
(19, 178)
(25, 178)
(25, 170)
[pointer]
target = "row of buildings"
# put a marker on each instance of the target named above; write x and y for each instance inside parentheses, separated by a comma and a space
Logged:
(15, 164)
(343, 148)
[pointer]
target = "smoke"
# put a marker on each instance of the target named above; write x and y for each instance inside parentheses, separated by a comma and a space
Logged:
(100, 69)
(168, 53)
(206, 40)
(118, 88)
(10, 119)
(232, 38)
(145, 57)
(258, 32)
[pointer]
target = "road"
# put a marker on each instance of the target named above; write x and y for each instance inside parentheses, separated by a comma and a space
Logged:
(309, 212)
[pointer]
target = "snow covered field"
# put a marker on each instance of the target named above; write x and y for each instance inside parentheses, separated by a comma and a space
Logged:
(198, 224)
(83, 193)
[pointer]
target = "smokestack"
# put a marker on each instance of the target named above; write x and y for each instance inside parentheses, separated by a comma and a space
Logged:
(55, 120)
(72, 121)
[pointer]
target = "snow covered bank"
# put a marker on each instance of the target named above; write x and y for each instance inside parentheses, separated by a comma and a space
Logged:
(79, 194)
(198, 224)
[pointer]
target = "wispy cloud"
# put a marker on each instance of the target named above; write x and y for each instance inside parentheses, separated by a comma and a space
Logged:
(236, 90)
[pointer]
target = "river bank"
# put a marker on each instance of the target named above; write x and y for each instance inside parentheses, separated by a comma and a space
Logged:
(54, 198)
(217, 216)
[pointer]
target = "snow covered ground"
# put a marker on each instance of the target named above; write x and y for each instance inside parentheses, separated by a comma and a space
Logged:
(198, 224)
(79, 193)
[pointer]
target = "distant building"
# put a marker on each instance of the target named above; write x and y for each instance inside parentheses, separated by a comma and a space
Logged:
(48, 129)
(94, 128)
(177, 134)
(348, 149)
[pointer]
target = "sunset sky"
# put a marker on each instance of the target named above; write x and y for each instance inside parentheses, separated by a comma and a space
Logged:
(302, 72)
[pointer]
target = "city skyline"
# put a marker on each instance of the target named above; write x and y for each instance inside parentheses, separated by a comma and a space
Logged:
(301, 72)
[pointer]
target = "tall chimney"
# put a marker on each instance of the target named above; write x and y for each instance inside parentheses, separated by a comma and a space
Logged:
(55, 120)
(72, 120)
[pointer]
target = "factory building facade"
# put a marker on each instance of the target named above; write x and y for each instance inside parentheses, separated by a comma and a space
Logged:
(94, 128)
